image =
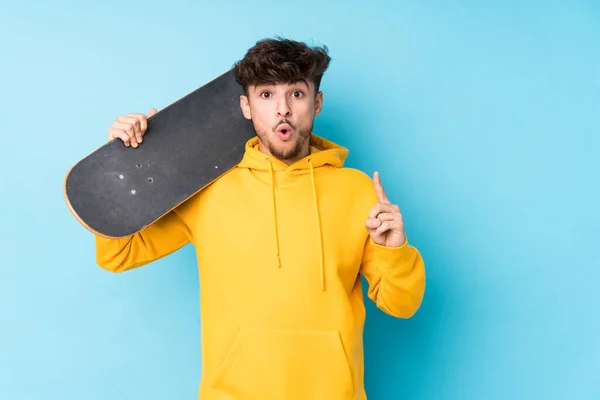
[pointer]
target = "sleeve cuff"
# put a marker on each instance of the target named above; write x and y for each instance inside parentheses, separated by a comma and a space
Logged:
(393, 258)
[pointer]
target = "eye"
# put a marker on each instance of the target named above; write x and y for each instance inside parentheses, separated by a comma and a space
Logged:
(297, 93)
(265, 95)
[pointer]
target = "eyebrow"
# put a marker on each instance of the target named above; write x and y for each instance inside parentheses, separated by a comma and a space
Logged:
(256, 87)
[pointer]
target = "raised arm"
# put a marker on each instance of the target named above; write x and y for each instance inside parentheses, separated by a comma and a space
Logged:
(393, 268)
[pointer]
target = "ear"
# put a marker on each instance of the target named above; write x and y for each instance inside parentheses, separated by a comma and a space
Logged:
(318, 103)
(245, 106)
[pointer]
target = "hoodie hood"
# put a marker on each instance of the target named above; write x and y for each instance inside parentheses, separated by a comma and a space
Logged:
(323, 155)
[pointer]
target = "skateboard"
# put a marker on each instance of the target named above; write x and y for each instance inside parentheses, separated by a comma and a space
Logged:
(116, 191)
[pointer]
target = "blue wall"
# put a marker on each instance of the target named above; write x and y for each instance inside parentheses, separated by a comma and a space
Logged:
(483, 120)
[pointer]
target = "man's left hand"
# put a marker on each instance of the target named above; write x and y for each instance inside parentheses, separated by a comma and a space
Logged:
(385, 221)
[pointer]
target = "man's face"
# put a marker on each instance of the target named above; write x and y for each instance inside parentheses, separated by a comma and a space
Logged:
(283, 116)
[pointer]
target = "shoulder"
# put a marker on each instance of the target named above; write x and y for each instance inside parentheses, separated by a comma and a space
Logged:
(354, 179)
(354, 184)
(218, 190)
(357, 176)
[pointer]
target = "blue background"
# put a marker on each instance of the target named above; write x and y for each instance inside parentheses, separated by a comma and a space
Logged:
(483, 120)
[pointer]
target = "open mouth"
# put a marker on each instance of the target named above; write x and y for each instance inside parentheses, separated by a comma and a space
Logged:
(284, 131)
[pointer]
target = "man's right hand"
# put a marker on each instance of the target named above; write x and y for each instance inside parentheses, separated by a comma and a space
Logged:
(130, 128)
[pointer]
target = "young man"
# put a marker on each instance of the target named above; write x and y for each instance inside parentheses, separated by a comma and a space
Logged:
(281, 242)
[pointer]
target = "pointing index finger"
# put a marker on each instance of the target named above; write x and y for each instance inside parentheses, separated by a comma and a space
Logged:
(379, 188)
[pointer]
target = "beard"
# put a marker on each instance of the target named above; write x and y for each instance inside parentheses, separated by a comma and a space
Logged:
(286, 154)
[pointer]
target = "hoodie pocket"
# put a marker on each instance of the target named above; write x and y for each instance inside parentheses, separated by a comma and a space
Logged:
(286, 364)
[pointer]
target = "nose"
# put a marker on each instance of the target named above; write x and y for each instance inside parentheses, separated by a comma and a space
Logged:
(283, 109)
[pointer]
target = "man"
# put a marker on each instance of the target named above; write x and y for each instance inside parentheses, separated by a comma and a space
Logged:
(281, 242)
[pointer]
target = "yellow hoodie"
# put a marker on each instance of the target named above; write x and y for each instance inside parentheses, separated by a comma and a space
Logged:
(280, 249)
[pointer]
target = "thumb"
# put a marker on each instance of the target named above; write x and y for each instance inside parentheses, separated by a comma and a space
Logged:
(152, 112)
(372, 224)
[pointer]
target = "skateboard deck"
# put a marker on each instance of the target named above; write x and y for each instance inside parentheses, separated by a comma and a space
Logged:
(117, 190)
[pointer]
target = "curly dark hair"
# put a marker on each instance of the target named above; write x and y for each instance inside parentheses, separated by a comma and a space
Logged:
(280, 60)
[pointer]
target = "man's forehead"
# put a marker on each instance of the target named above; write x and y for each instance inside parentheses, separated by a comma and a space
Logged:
(283, 84)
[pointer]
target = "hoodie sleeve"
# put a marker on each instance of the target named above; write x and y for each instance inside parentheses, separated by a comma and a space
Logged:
(157, 240)
(396, 277)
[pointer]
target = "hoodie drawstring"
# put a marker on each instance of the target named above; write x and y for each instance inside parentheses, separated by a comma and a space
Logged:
(321, 260)
(277, 258)
(314, 190)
